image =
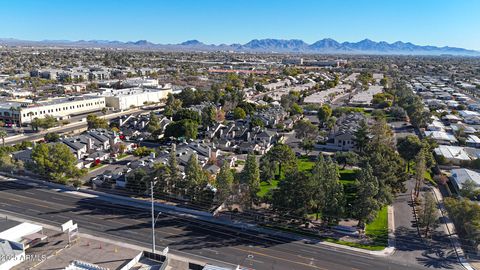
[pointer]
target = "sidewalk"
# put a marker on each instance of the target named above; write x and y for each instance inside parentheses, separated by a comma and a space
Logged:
(449, 229)
(200, 215)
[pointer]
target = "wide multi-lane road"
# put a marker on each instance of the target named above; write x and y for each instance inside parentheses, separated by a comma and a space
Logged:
(184, 236)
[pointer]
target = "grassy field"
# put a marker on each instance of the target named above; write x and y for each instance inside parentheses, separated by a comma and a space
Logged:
(304, 164)
(265, 187)
(375, 247)
(377, 230)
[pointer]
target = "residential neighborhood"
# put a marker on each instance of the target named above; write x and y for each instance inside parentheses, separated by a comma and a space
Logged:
(127, 144)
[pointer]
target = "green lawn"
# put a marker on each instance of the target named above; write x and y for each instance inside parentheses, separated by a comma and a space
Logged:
(377, 230)
(428, 177)
(122, 156)
(96, 167)
(265, 187)
(327, 239)
(304, 164)
(356, 245)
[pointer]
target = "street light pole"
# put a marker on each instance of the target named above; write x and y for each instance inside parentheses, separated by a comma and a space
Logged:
(153, 217)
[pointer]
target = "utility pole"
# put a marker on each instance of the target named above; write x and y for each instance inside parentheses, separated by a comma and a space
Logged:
(153, 217)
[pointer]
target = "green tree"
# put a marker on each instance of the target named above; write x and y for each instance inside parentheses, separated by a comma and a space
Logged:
(428, 214)
(95, 122)
(138, 181)
(324, 113)
(196, 179)
(3, 135)
(209, 115)
(331, 122)
(420, 170)
(176, 184)
(307, 145)
(466, 217)
(250, 178)
(361, 136)
(388, 167)
(267, 169)
(239, 113)
(304, 129)
(153, 123)
(365, 205)
(469, 189)
(56, 162)
(282, 158)
(51, 137)
(409, 147)
(184, 128)
(329, 196)
(347, 158)
(295, 109)
(256, 122)
(224, 181)
(160, 176)
(172, 105)
(142, 151)
(187, 114)
(294, 196)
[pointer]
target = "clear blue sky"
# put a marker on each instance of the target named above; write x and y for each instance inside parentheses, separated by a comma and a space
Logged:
(433, 22)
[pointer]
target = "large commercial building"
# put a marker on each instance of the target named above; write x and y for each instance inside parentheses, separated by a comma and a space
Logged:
(20, 112)
(124, 99)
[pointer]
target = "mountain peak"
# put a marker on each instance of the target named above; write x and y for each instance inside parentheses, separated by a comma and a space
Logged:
(141, 42)
(192, 42)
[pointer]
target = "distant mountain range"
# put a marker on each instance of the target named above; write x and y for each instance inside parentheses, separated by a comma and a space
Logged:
(324, 46)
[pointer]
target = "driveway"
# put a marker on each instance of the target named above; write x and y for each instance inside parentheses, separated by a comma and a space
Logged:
(109, 167)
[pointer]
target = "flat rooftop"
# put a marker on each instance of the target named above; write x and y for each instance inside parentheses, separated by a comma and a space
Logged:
(110, 92)
(30, 104)
(103, 254)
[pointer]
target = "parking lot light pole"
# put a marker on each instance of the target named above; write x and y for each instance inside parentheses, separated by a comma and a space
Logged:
(153, 213)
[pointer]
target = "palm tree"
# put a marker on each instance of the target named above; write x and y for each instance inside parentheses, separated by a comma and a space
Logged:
(3, 134)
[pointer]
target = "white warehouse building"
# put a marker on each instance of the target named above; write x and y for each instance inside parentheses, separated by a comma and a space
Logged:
(20, 112)
(124, 99)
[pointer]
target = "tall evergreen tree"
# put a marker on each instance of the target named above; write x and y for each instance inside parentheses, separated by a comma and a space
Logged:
(334, 194)
(295, 196)
(420, 170)
(365, 206)
(250, 178)
(428, 214)
(361, 136)
(195, 177)
(175, 182)
(224, 183)
(153, 123)
(328, 198)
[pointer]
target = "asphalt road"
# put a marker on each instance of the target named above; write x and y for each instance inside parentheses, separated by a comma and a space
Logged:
(187, 237)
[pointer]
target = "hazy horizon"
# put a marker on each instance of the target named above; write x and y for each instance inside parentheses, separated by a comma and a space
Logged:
(437, 23)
